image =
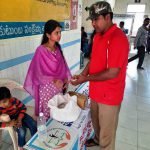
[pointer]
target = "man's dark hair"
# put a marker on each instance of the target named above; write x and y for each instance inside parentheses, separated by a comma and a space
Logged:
(111, 15)
(146, 19)
(122, 22)
(82, 28)
(4, 93)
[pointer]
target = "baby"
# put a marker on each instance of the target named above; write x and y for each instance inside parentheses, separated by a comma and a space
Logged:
(13, 114)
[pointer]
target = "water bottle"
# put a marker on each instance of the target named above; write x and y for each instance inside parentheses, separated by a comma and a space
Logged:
(41, 127)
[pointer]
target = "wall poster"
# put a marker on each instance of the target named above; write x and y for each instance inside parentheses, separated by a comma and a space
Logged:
(74, 14)
(24, 18)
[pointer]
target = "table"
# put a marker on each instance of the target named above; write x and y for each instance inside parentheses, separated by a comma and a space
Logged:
(66, 135)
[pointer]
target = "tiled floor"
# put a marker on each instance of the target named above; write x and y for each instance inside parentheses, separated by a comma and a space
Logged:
(134, 123)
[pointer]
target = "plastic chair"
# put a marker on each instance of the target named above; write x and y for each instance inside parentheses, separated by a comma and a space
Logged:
(13, 136)
(11, 85)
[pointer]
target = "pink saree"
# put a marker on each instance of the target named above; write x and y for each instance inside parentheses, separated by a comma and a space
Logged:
(45, 67)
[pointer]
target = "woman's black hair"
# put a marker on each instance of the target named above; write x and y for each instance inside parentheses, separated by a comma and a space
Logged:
(58, 45)
(49, 27)
(4, 93)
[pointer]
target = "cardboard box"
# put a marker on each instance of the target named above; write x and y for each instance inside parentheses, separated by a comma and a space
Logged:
(81, 99)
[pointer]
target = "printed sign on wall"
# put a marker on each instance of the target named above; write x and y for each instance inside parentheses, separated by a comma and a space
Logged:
(74, 14)
(34, 10)
(25, 18)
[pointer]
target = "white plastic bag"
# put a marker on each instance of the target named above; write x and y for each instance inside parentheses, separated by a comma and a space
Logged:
(64, 108)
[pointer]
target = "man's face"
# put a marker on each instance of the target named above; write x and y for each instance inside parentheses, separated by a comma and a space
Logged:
(121, 25)
(4, 103)
(146, 22)
(100, 23)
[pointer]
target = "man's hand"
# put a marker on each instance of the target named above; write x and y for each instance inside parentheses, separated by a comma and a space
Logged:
(78, 79)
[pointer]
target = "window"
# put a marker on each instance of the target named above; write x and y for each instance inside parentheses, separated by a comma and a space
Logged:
(136, 8)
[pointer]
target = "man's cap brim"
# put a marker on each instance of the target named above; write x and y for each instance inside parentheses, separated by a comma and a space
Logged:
(96, 16)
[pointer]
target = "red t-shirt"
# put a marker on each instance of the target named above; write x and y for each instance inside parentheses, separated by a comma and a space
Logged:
(109, 51)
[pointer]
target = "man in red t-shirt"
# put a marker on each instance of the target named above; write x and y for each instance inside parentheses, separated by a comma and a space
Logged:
(106, 72)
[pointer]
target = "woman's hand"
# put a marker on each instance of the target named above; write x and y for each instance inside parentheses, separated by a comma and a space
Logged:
(58, 83)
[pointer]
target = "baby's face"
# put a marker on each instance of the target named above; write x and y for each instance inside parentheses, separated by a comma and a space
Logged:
(4, 103)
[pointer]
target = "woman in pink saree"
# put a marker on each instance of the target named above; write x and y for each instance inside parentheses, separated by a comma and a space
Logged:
(48, 73)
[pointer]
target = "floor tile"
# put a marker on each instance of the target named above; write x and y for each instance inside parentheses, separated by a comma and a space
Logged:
(144, 140)
(123, 146)
(128, 122)
(141, 99)
(142, 115)
(143, 107)
(141, 148)
(128, 111)
(130, 86)
(144, 126)
(127, 136)
(93, 148)
(143, 90)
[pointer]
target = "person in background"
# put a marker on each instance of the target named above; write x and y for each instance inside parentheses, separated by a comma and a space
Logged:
(84, 41)
(106, 73)
(18, 117)
(140, 43)
(48, 73)
(148, 41)
(90, 44)
(121, 25)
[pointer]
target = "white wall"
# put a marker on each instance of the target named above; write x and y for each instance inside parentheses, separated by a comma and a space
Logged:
(121, 6)
(87, 3)
(14, 49)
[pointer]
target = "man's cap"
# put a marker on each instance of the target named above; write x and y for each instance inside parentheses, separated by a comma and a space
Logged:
(98, 9)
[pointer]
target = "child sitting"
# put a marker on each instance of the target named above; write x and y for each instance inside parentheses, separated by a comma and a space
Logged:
(18, 117)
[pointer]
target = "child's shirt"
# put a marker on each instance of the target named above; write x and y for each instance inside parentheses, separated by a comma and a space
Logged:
(16, 110)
